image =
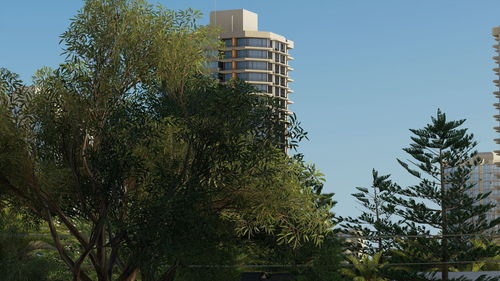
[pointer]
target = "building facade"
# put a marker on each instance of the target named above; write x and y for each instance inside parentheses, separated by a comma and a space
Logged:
(258, 57)
(484, 177)
(496, 35)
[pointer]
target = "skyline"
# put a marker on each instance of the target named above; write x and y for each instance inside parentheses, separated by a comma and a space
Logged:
(353, 77)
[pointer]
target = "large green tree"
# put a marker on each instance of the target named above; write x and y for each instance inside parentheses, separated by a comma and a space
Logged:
(150, 166)
(442, 158)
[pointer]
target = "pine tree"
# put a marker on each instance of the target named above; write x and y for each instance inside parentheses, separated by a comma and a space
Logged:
(443, 158)
(374, 224)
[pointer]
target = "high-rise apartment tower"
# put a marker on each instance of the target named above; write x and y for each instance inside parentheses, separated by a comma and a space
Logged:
(257, 57)
(496, 34)
(484, 177)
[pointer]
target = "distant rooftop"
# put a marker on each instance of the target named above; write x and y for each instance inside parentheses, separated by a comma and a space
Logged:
(496, 31)
(235, 20)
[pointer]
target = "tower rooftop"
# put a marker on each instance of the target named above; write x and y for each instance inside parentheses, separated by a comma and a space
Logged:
(235, 20)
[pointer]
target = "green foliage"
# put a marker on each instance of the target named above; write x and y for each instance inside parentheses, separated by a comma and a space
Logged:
(365, 268)
(443, 158)
(325, 261)
(307, 261)
(149, 166)
(484, 263)
(173, 182)
(398, 221)
(26, 257)
(375, 224)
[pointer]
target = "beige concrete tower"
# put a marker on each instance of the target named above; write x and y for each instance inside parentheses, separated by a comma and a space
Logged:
(484, 177)
(496, 34)
(257, 57)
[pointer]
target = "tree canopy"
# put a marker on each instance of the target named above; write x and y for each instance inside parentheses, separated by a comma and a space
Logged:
(150, 165)
(438, 224)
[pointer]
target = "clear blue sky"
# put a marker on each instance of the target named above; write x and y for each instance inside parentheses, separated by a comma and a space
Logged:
(365, 71)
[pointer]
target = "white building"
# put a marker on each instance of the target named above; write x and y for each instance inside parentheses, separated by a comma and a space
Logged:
(257, 57)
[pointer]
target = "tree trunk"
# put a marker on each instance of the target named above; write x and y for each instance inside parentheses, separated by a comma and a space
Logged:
(133, 276)
(377, 216)
(444, 225)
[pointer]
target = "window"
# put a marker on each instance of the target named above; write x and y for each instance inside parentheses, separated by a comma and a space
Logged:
(276, 45)
(260, 87)
(227, 77)
(253, 42)
(227, 66)
(228, 54)
(252, 76)
(228, 42)
(283, 92)
(261, 65)
(252, 54)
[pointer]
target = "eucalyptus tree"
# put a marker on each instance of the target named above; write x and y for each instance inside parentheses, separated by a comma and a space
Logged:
(149, 165)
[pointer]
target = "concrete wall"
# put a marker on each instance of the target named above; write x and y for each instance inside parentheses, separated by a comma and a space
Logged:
(235, 20)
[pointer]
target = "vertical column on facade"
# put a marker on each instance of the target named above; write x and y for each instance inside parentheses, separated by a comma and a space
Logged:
(234, 55)
(496, 35)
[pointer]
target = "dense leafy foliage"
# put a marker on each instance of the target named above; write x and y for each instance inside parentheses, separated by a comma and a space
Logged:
(151, 167)
(366, 268)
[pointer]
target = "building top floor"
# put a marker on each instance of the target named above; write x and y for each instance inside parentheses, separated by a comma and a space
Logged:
(489, 158)
(496, 31)
(242, 23)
